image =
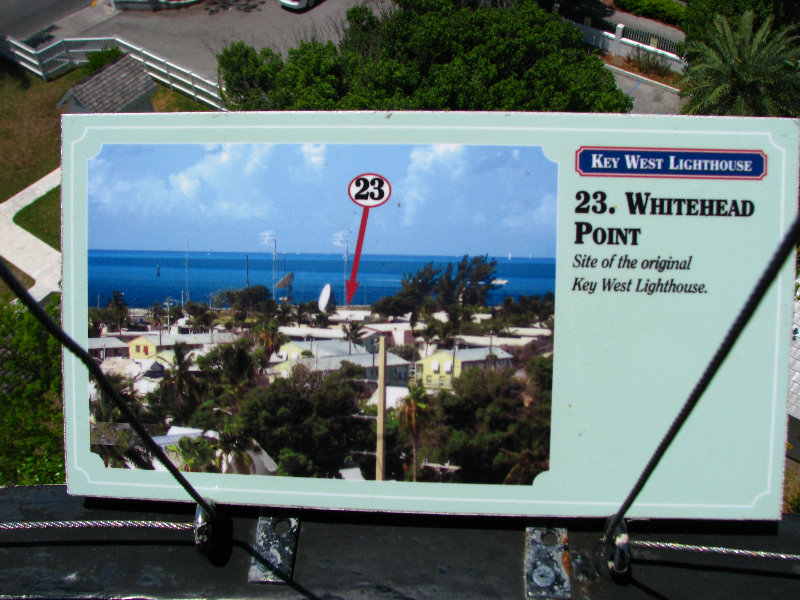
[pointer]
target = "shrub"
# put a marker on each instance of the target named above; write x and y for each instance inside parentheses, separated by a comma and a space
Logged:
(98, 60)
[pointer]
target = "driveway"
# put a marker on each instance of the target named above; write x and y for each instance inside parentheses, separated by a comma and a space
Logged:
(649, 97)
(192, 37)
(602, 10)
(22, 18)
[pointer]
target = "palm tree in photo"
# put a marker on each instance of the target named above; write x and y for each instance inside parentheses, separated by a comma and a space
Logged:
(741, 71)
(116, 310)
(352, 332)
(411, 410)
(157, 314)
(268, 339)
(103, 409)
(179, 393)
(430, 333)
(234, 365)
(232, 451)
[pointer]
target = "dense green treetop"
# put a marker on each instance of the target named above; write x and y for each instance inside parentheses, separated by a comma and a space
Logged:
(429, 55)
(700, 14)
(490, 427)
(305, 421)
(31, 421)
(741, 70)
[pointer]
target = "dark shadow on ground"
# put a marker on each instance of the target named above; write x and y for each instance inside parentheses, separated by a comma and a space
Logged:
(215, 6)
(576, 11)
(15, 72)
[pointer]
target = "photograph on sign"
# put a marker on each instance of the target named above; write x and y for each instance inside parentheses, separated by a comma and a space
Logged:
(341, 310)
(212, 278)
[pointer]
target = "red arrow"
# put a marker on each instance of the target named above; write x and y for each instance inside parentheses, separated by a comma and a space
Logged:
(351, 284)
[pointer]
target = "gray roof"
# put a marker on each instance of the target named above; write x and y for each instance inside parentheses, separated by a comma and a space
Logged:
(190, 339)
(324, 348)
(112, 89)
(477, 354)
(170, 440)
(334, 363)
(106, 342)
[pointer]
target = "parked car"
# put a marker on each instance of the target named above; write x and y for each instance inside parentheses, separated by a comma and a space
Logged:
(298, 4)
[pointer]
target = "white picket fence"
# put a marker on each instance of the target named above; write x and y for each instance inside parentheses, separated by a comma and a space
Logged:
(618, 43)
(63, 55)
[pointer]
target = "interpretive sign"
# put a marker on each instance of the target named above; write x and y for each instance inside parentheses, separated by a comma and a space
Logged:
(550, 287)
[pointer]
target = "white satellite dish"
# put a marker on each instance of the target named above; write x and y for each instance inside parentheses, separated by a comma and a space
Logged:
(326, 299)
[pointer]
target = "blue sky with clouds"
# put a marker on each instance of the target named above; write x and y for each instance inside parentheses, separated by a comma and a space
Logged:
(446, 199)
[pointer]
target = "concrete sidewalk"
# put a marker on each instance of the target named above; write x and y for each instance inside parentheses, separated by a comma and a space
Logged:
(76, 23)
(24, 250)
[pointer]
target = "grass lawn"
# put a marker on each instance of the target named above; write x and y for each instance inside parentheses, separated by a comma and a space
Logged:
(25, 279)
(167, 100)
(30, 129)
(791, 487)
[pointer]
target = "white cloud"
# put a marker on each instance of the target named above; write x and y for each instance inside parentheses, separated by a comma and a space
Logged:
(439, 158)
(221, 184)
(340, 238)
(258, 155)
(314, 155)
(185, 184)
(266, 238)
(426, 164)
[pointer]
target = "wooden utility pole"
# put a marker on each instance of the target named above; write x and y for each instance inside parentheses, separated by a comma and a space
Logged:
(380, 451)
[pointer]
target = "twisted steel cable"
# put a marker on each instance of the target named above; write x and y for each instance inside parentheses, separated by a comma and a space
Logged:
(20, 525)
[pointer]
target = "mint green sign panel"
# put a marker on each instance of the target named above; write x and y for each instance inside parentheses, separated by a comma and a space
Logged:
(654, 230)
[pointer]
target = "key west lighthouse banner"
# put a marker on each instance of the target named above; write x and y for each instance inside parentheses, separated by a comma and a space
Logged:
(551, 288)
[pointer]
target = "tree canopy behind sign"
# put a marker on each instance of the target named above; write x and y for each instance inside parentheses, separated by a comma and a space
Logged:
(428, 55)
(700, 14)
(31, 421)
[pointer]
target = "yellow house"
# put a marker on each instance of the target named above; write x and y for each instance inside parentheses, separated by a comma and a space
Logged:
(438, 370)
(142, 347)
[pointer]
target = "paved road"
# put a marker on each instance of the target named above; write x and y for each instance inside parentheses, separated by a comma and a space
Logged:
(191, 37)
(649, 97)
(629, 20)
(22, 18)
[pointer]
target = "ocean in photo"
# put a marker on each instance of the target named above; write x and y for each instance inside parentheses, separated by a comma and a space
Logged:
(147, 277)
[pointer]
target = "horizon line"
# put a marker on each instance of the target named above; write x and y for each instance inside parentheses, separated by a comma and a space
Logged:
(510, 255)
